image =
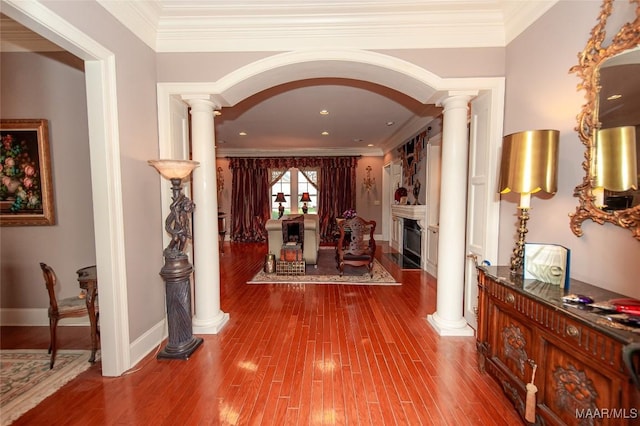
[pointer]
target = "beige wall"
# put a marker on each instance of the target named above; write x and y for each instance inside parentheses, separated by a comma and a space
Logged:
(138, 142)
(369, 203)
(540, 93)
(46, 86)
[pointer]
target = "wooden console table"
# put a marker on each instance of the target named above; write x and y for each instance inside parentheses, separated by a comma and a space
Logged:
(88, 281)
(581, 377)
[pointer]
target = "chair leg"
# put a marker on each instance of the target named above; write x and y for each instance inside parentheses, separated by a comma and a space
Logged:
(53, 323)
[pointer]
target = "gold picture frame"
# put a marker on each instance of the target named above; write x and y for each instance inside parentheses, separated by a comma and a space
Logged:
(26, 190)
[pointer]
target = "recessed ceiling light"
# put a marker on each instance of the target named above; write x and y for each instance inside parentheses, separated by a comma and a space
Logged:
(324, 112)
(217, 113)
(614, 97)
(370, 144)
(390, 123)
(243, 133)
(325, 133)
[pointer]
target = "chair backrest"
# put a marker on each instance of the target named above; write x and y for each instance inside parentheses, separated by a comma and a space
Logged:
(50, 281)
(358, 229)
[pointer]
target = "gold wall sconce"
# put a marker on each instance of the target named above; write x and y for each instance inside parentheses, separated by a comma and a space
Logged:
(615, 162)
(219, 180)
(529, 164)
(368, 181)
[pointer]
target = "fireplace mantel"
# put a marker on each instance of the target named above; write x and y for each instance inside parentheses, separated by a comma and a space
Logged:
(415, 212)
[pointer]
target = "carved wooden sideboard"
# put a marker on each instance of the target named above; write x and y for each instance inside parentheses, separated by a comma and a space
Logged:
(580, 375)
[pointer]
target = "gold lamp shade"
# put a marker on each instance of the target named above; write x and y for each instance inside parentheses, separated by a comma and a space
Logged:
(530, 162)
(616, 161)
(174, 169)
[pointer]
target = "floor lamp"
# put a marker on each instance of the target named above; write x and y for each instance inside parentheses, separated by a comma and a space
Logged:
(529, 164)
(177, 269)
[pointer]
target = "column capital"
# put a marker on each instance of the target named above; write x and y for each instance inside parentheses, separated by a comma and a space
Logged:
(456, 98)
(201, 102)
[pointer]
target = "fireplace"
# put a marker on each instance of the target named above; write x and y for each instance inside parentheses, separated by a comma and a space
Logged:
(411, 240)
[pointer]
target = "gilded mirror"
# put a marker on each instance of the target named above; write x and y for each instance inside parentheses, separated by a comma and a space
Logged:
(609, 121)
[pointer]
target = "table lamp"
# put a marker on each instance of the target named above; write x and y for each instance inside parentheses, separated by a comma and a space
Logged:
(306, 198)
(529, 164)
(280, 199)
(616, 162)
(177, 269)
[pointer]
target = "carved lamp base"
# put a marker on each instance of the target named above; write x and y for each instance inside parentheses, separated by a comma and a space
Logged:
(176, 273)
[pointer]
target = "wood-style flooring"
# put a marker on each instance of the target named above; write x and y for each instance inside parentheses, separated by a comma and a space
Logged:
(291, 355)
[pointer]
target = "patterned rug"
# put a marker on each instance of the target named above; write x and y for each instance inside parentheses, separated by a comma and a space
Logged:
(26, 380)
(327, 273)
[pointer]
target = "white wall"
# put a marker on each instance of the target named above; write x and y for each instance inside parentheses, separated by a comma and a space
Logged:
(540, 93)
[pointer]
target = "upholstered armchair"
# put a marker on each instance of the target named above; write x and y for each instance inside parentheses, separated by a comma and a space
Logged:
(356, 245)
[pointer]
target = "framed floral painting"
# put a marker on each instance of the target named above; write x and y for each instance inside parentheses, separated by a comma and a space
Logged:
(26, 192)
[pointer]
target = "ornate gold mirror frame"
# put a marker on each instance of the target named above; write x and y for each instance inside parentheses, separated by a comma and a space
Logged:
(588, 69)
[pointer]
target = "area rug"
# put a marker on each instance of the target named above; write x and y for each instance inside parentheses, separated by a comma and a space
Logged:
(327, 273)
(26, 380)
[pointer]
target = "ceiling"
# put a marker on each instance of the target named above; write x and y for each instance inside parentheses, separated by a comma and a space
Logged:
(362, 117)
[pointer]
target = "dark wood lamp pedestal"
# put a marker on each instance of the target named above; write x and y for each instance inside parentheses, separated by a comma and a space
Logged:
(176, 273)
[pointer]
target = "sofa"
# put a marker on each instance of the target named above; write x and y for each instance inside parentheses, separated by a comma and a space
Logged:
(310, 238)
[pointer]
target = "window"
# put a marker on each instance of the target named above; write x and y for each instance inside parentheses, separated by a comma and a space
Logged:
(293, 181)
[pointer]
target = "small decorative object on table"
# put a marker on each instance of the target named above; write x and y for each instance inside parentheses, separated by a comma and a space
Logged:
(399, 194)
(349, 214)
(549, 263)
(416, 191)
(291, 260)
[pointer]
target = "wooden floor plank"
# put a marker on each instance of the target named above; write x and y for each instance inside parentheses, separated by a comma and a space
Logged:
(292, 355)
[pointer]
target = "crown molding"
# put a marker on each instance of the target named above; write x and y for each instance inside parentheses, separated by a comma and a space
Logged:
(520, 15)
(15, 37)
(142, 18)
(252, 25)
(294, 152)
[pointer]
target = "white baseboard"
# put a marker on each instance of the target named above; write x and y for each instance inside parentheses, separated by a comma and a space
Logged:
(36, 317)
(148, 342)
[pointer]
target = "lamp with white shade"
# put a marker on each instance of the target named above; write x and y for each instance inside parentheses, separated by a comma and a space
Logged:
(177, 269)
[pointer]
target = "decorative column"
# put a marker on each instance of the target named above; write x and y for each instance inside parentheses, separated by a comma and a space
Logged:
(208, 319)
(448, 320)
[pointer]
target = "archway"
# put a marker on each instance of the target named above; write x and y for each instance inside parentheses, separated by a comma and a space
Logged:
(377, 68)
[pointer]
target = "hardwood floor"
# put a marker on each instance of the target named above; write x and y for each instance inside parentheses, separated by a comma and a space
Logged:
(291, 355)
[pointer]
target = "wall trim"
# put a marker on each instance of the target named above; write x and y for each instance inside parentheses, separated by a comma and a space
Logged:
(36, 317)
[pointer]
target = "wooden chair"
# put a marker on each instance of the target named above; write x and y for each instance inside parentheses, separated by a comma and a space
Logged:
(60, 308)
(352, 248)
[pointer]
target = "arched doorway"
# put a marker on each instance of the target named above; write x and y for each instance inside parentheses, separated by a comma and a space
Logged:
(372, 67)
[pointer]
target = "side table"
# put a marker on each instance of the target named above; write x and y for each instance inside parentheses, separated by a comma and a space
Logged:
(291, 260)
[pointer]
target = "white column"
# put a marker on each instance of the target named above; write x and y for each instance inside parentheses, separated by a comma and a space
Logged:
(448, 319)
(208, 318)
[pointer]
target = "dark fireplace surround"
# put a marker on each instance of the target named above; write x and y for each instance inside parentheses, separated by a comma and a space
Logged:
(411, 240)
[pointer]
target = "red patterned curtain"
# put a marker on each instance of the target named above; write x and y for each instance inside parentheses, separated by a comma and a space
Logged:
(250, 206)
(249, 200)
(337, 193)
